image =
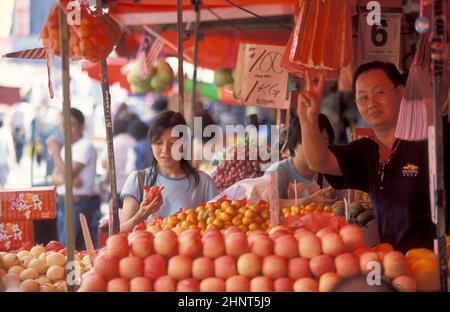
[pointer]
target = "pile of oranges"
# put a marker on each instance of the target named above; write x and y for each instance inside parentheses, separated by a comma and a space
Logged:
(302, 210)
(423, 265)
(221, 215)
(93, 38)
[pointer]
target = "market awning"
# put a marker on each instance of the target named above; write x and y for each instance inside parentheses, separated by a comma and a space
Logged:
(9, 95)
(116, 72)
(152, 12)
(219, 49)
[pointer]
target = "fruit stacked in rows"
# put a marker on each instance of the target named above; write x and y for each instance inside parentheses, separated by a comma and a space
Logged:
(302, 210)
(231, 171)
(93, 39)
(221, 215)
(37, 269)
(234, 261)
(360, 213)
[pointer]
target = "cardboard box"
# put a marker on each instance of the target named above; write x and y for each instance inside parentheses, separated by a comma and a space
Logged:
(15, 234)
(28, 204)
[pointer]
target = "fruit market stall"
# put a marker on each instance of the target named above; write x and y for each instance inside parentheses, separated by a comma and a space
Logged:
(228, 244)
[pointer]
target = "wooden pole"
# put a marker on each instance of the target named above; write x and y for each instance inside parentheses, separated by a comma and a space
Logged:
(114, 222)
(68, 198)
(288, 117)
(196, 4)
(87, 237)
(278, 116)
(439, 205)
(180, 56)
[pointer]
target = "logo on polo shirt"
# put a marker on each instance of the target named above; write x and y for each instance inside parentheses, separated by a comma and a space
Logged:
(410, 170)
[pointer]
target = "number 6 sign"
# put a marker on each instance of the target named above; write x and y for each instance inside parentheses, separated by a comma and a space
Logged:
(380, 42)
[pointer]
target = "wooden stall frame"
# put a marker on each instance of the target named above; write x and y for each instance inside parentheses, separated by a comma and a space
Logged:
(68, 198)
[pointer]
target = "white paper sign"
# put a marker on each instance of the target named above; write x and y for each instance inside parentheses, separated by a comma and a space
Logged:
(380, 42)
(274, 199)
(260, 80)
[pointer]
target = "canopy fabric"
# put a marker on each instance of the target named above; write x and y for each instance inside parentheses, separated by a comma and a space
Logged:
(116, 72)
(158, 5)
(219, 49)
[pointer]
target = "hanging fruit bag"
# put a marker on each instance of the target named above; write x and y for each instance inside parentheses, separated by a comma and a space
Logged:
(92, 34)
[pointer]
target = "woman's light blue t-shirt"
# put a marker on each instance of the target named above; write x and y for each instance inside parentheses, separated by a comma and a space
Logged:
(177, 193)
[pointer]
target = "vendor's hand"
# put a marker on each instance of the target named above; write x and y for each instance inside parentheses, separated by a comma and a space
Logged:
(309, 100)
(53, 145)
(147, 208)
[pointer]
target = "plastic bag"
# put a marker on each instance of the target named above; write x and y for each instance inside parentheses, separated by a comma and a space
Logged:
(301, 189)
(310, 192)
(253, 190)
(314, 222)
(416, 108)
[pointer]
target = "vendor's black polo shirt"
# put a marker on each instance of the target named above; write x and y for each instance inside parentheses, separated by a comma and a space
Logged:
(401, 203)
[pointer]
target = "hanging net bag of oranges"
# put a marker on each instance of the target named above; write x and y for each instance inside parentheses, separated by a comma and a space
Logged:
(92, 33)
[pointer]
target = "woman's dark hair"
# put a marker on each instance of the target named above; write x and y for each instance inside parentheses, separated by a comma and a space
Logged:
(295, 132)
(389, 69)
(161, 123)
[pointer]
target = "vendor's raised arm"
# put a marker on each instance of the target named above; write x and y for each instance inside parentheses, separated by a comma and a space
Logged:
(317, 154)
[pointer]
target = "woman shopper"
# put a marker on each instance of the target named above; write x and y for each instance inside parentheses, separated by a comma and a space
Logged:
(184, 186)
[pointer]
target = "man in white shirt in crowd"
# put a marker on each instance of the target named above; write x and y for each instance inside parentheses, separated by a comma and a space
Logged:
(7, 153)
(86, 201)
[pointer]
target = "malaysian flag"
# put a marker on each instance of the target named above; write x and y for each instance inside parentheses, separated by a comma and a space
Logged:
(150, 51)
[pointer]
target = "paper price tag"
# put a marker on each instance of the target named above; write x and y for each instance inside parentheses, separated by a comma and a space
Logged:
(260, 80)
(273, 196)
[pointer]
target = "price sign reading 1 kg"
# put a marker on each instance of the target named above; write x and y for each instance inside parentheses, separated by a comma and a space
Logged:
(263, 81)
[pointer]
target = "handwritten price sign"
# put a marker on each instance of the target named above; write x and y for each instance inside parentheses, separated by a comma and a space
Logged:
(260, 79)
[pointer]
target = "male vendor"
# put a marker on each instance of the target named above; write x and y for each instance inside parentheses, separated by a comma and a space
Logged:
(394, 172)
